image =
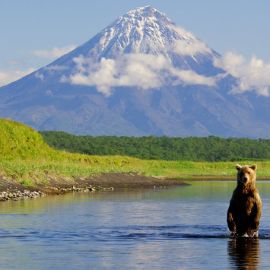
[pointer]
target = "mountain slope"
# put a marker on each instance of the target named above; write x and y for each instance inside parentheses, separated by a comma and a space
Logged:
(141, 75)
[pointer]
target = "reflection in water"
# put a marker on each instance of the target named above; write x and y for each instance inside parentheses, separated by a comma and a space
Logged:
(244, 253)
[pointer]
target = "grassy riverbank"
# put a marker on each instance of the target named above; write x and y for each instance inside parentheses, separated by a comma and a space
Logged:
(26, 159)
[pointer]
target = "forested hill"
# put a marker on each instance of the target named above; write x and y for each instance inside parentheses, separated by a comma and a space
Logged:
(163, 148)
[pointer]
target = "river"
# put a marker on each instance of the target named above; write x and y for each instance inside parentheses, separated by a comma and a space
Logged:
(175, 228)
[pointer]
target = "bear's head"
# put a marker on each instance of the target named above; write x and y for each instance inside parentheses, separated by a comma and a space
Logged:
(246, 175)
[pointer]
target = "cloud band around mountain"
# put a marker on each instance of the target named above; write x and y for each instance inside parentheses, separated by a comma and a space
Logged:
(133, 70)
(253, 74)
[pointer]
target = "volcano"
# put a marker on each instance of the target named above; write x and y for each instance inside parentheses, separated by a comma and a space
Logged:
(142, 75)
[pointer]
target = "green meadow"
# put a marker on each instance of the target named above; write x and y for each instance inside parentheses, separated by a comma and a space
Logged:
(27, 159)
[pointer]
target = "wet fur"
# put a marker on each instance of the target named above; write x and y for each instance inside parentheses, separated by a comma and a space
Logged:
(244, 213)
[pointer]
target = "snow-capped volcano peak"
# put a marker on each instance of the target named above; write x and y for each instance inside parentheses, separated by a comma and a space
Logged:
(144, 30)
(147, 11)
(154, 18)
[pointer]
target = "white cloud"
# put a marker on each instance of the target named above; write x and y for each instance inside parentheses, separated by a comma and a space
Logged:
(39, 76)
(182, 32)
(184, 47)
(133, 70)
(191, 77)
(7, 77)
(189, 44)
(54, 53)
(53, 68)
(253, 74)
(49, 93)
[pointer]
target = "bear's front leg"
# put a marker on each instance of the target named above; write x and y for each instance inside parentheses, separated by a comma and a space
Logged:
(255, 216)
(230, 221)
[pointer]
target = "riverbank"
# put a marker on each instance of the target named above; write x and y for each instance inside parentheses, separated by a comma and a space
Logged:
(52, 176)
(10, 190)
(28, 163)
(108, 182)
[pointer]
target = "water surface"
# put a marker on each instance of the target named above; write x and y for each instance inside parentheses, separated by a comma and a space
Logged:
(176, 228)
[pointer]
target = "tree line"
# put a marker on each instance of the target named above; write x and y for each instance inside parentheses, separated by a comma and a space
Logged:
(163, 148)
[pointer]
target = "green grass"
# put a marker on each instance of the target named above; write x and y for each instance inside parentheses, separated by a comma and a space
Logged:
(27, 159)
(20, 141)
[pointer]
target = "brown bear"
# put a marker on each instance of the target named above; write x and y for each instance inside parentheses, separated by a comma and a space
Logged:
(243, 216)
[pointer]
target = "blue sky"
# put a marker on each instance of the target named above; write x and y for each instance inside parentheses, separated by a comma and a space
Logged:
(30, 28)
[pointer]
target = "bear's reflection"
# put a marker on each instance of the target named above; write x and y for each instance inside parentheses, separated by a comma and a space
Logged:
(244, 253)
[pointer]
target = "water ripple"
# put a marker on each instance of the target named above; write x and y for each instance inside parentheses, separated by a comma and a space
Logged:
(127, 233)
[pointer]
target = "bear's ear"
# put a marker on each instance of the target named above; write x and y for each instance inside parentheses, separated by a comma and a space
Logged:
(238, 167)
(253, 167)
